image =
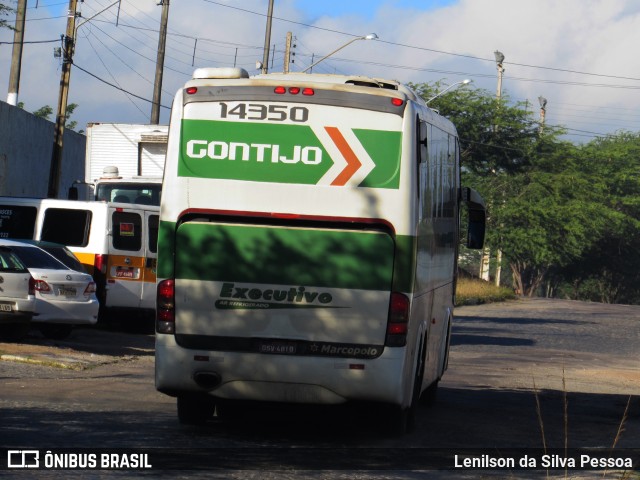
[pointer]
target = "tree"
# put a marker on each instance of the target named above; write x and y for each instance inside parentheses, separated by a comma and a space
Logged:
(46, 111)
(542, 211)
(4, 11)
(609, 270)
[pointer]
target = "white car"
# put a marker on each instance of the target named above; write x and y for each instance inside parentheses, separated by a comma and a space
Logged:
(17, 296)
(64, 297)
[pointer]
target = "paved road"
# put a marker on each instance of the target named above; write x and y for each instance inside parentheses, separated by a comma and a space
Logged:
(505, 358)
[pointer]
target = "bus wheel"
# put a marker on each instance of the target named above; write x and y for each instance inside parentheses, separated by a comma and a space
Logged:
(403, 419)
(398, 420)
(429, 396)
(195, 409)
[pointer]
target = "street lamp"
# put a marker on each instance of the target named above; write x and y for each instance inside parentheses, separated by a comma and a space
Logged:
(499, 59)
(439, 94)
(371, 36)
(543, 111)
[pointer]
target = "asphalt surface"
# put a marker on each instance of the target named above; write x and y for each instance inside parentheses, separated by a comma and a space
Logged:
(522, 375)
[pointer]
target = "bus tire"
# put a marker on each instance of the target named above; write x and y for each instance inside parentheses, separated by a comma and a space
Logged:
(399, 420)
(195, 409)
(429, 396)
(403, 419)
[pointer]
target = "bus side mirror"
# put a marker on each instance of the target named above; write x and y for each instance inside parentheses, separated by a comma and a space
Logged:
(477, 218)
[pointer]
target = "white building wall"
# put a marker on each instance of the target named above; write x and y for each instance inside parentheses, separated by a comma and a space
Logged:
(134, 149)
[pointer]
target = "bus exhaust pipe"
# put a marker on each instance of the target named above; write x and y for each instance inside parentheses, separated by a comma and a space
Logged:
(207, 380)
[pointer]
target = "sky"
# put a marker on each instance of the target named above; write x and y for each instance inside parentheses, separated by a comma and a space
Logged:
(573, 53)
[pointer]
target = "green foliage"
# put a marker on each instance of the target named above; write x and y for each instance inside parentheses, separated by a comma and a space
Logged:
(46, 111)
(43, 112)
(564, 216)
(4, 11)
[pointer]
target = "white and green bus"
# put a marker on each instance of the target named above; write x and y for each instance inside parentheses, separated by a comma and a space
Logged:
(309, 231)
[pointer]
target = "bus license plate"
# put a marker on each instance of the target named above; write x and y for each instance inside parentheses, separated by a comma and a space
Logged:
(6, 307)
(277, 347)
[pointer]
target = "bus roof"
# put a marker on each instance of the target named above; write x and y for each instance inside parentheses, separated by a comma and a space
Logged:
(204, 76)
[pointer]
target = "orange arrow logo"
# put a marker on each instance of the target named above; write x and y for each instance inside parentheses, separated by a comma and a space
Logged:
(353, 163)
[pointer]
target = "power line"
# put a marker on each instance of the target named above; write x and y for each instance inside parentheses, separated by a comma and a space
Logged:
(32, 41)
(116, 86)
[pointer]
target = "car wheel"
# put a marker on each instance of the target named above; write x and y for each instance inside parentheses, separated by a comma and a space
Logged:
(195, 409)
(56, 331)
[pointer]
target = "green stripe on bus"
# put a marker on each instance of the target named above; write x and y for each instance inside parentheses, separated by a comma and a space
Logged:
(285, 256)
(258, 152)
(354, 259)
(291, 154)
(384, 149)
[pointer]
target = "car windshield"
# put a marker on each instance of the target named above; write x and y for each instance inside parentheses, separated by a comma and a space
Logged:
(65, 256)
(33, 257)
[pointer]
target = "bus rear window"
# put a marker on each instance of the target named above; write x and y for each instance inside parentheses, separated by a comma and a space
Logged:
(17, 222)
(66, 226)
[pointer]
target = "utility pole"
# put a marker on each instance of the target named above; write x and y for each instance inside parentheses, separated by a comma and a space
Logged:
(267, 39)
(16, 58)
(157, 86)
(63, 95)
(486, 252)
(287, 52)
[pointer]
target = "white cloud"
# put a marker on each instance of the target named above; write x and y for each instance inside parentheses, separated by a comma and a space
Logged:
(572, 35)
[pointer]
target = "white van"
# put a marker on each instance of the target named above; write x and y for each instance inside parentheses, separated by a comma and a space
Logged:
(116, 242)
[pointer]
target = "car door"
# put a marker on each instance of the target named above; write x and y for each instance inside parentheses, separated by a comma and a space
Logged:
(127, 256)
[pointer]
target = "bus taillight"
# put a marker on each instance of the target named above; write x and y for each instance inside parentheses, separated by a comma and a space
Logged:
(397, 325)
(165, 307)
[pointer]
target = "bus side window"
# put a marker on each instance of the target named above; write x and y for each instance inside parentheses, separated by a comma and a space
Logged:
(422, 152)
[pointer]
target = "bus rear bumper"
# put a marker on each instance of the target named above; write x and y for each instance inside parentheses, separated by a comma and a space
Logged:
(278, 378)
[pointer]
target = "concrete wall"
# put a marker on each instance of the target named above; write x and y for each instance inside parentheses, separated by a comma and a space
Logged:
(26, 145)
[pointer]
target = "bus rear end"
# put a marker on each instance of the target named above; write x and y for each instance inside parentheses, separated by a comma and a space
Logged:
(285, 246)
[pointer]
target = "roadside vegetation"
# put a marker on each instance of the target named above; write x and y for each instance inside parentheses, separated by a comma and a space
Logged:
(473, 291)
